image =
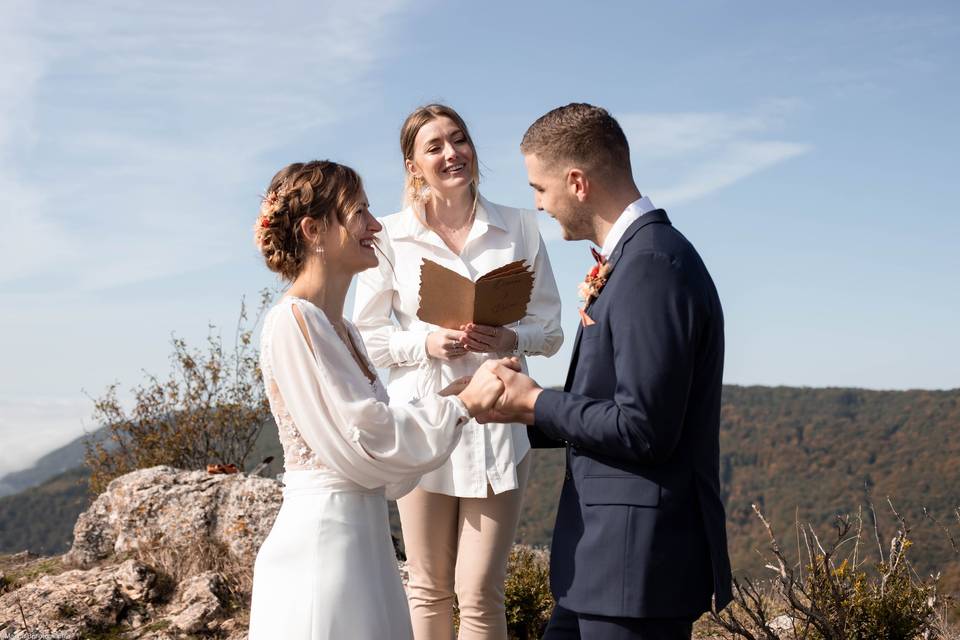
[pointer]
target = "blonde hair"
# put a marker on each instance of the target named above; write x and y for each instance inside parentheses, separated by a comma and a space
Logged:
(413, 189)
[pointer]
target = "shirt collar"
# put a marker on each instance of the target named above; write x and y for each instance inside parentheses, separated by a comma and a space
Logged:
(633, 212)
(487, 214)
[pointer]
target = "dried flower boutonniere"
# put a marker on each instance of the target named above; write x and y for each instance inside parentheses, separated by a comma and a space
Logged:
(593, 284)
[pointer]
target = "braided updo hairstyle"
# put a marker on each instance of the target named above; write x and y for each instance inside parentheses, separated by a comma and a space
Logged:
(320, 189)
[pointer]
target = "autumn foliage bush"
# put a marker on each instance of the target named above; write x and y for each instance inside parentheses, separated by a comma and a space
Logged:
(210, 409)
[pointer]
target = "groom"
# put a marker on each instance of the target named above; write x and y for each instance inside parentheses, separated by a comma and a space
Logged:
(639, 548)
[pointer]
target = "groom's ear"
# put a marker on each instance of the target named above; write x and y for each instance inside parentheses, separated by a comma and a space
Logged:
(577, 184)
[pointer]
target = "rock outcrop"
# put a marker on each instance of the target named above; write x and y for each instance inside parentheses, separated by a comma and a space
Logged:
(161, 554)
(164, 554)
(162, 507)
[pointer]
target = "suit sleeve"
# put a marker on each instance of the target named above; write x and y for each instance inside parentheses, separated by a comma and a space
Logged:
(653, 333)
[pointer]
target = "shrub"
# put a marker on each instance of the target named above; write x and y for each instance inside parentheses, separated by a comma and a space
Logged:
(835, 591)
(211, 409)
(527, 595)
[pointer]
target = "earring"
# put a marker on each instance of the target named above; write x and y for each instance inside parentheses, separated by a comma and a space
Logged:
(419, 189)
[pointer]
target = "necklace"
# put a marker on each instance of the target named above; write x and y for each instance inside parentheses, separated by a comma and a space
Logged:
(453, 237)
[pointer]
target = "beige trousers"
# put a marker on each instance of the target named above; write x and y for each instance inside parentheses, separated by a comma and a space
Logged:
(460, 545)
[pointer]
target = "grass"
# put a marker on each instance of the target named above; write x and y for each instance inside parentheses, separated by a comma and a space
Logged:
(19, 569)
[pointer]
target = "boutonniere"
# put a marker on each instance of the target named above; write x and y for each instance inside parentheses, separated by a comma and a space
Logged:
(596, 278)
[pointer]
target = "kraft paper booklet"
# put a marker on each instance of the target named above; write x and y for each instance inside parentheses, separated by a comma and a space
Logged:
(448, 299)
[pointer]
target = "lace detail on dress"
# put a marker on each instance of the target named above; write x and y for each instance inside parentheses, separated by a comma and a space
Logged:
(297, 454)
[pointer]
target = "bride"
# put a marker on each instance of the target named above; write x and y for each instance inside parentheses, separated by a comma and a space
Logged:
(327, 569)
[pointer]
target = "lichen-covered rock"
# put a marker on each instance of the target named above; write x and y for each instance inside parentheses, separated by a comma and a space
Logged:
(233, 629)
(65, 603)
(136, 581)
(149, 530)
(166, 507)
(199, 602)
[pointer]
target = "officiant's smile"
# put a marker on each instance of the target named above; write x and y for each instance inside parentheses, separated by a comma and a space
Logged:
(443, 156)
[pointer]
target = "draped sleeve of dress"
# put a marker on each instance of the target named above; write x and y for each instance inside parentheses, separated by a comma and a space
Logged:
(339, 416)
(327, 569)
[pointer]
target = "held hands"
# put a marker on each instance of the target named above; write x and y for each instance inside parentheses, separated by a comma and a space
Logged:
(455, 387)
(519, 396)
(481, 338)
(483, 391)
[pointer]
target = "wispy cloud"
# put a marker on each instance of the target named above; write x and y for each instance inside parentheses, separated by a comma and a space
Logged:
(150, 126)
(20, 202)
(679, 157)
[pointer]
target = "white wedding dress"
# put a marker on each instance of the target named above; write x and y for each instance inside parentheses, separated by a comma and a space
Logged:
(327, 569)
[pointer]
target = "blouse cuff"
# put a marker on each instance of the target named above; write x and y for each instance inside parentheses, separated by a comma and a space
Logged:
(461, 409)
(408, 347)
(530, 338)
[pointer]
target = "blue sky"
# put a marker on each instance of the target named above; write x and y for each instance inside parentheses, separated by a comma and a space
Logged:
(809, 151)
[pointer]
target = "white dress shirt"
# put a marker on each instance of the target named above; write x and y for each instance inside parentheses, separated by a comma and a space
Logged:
(385, 312)
(633, 212)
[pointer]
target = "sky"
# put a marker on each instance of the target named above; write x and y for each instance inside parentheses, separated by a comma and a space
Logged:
(809, 152)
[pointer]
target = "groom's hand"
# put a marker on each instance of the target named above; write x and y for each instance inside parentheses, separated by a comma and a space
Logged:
(519, 395)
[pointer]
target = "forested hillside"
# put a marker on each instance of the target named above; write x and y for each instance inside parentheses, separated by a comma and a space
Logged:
(797, 453)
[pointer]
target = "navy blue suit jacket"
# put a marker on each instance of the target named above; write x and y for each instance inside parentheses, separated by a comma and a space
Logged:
(640, 528)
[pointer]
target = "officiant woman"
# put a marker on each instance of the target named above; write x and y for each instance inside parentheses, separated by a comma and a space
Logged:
(460, 522)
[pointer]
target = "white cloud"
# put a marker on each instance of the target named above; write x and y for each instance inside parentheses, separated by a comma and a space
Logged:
(736, 162)
(680, 157)
(21, 203)
(151, 124)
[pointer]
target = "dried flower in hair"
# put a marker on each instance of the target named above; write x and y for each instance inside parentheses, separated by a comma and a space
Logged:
(270, 204)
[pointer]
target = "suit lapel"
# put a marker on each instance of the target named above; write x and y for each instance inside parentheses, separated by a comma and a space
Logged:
(651, 217)
(573, 358)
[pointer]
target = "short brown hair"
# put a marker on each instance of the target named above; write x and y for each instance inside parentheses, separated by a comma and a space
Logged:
(320, 189)
(579, 134)
(408, 136)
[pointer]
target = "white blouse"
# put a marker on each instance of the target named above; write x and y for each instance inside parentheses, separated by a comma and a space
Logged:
(385, 312)
(330, 416)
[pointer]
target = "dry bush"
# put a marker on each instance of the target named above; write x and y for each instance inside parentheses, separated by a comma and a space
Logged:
(210, 409)
(852, 587)
(174, 564)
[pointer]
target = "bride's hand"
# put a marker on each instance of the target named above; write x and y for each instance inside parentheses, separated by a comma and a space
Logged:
(445, 344)
(483, 391)
(455, 387)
